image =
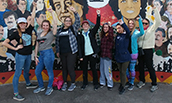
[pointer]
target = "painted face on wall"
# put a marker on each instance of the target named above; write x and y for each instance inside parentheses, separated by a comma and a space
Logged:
(157, 5)
(169, 7)
(22, 5)
(62, 9)
(10, 21)
(40, 19)
(169, 49)
(3, 4)
(40, 5)
(170, 33)
(158, 38)
(129, 8)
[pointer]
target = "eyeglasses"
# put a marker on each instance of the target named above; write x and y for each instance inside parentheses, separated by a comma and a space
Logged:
(67, 20)
(145, 23)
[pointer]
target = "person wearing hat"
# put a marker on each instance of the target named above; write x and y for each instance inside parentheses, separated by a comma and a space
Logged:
(89, 51)
(23, 35)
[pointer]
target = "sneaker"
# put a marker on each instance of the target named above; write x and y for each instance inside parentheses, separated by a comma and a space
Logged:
(31, 86)
(120, 87)
(64, 87)
(131, 87)
(49, 91)
(154, 88)
(83, 87)
(140, 84)
(127, 85)
(72, 87)
(101, 86)
(18, 97)
(122, 90)
(39, 89)
(96, 87)
(109, 88)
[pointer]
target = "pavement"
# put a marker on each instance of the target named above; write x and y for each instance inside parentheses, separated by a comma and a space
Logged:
(102, 95)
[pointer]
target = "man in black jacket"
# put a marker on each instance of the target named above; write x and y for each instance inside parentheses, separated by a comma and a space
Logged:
(89, 51)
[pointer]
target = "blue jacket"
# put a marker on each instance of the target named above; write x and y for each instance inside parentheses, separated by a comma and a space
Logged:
(121, 46)
(136, 34)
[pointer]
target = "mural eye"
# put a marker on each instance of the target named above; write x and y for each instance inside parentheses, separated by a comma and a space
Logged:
(135, 0)
(58, 6)
(68, 3)
(123, 1)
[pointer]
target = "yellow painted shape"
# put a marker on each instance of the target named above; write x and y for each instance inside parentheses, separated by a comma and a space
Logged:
(80, 78)
(168, 80)
(45, 76)
(147, 78)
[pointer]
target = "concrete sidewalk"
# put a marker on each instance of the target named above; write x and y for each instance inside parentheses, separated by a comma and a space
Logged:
(102, 95)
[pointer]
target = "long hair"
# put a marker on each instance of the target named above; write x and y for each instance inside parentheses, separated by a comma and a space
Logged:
(20, 32)
(102, 33)
(46, 21)
(134, 21)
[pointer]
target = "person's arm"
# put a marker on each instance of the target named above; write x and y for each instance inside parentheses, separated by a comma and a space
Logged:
(77, 22)
(141, 28)
(33, 14)
(125, 27)
(6, 44)
(110, 34)
(57, 45)
(54, 20)
(96, 27)
(36, 52)
(157, 21)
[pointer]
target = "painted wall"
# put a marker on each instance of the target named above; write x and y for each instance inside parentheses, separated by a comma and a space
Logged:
(111, 10)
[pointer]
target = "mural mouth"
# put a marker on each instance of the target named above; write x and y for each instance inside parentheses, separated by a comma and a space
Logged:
(130, 11)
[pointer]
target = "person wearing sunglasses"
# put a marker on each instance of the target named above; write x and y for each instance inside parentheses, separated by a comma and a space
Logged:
(147, 43)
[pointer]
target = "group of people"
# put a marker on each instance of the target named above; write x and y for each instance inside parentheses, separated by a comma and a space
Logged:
(70, 43)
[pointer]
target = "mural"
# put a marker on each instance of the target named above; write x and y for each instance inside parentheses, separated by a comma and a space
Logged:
(111, 10)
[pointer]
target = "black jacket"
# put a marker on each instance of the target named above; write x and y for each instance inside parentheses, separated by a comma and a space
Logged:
(92, 36)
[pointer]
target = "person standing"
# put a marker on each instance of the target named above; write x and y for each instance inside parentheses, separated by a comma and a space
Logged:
(133, 49)
(67, 48)
(46, 57)
(89, 51)
(107, 43)
(122, 55)
(147, 43)
(23, 35)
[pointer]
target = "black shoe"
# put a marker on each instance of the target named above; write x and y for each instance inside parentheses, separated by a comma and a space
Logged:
(120, 87)
(96, 87)
(83, 87)
(109, 88)
(31, 86)
(127, 85)
(122, 90)
(101, 86)
(18, 97)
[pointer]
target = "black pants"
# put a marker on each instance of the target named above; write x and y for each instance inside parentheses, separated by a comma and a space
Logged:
(84, 66)
(68, 64)
(148, 60)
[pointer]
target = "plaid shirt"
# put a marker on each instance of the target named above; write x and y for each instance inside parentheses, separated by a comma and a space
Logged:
(72, 37)
(107, 43)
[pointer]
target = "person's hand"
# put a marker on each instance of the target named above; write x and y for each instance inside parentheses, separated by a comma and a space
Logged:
(36, 60)
(50, 9)
(72, 9)
(34, 4)
(19, 47)
(57, 55)
(137, 18)
(120, 20)
(109, 23)
(81, 59)
(98, 11)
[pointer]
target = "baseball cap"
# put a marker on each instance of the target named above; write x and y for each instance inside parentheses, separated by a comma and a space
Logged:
(85, 21)
(21, 20)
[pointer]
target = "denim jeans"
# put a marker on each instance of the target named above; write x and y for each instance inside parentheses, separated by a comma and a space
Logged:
(46, 59)
(22, 61)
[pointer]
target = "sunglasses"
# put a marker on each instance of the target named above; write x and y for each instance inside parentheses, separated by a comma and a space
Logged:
(145, 23)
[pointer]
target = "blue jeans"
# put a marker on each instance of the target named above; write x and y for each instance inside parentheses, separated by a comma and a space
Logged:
(106, 72)
(22, 61)
(46, 59)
